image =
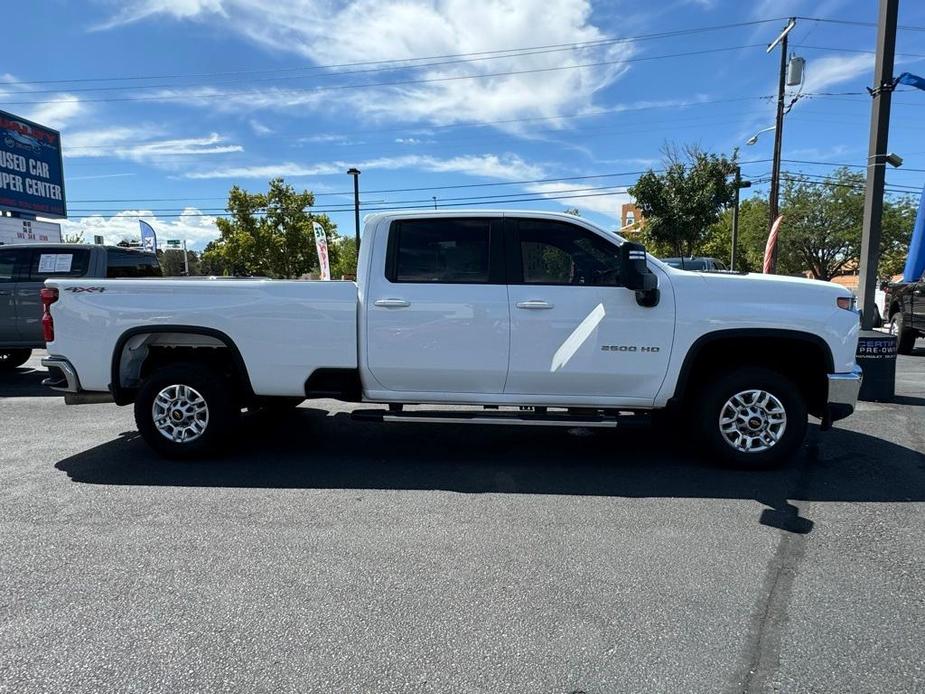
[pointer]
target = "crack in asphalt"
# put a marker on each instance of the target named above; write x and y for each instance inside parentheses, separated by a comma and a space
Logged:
(761, 660)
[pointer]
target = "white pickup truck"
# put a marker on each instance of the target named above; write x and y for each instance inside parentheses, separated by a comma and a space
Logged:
(529, 318)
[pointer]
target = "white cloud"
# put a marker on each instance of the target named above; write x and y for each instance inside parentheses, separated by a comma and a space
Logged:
(507, 167)
(341, 31)
(824, 73)
(590, 200)
(259, 128)
(178, 9)
(61, 110)
(137, 144)
(196, 229)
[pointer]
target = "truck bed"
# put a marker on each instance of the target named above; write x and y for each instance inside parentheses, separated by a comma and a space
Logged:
(283, 329)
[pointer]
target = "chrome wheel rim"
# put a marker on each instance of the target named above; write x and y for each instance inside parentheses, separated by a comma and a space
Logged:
(180, 413)
(752, 421)
(894, 329)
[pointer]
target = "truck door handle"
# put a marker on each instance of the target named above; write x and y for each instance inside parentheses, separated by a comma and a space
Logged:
(534, 303)
(392, 303)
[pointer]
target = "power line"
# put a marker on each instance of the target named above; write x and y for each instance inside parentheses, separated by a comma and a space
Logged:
(854, 50)
(850, 166)
(400, 61)
(428, 188)
(347, 207)
(851, 22)
(645, 126)
(429, 205)
(393, 83)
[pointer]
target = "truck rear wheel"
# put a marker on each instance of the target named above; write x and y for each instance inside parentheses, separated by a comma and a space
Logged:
(751, 418)
(905, 338)
(185, 410)
(12, 358)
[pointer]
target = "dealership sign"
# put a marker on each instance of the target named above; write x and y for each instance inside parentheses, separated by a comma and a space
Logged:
(16, 230)
(31, 170)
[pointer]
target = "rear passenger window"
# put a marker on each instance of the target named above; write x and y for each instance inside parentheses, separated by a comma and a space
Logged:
(121, 263)
(440, 250)
(57, 262)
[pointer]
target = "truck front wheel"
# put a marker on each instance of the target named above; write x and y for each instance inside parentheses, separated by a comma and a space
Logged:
(185, 410)
(751, 418)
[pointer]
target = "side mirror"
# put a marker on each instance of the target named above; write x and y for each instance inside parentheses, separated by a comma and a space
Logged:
(637, 276)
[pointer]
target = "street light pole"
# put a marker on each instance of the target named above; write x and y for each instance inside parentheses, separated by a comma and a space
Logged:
(774, 196)
(877, 159)
(356, 204)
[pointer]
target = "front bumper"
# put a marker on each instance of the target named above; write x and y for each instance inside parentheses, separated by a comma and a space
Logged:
(843, 394)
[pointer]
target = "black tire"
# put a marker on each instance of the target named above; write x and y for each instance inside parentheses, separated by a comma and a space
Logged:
(905, 338)
(13, 358)
(711, 404)
(211, 387)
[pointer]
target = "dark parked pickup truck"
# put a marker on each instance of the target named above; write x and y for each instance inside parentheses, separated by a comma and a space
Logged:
(905, 303)
(23, 271)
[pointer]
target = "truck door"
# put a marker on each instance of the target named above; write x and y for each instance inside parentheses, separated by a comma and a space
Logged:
(575, 331)
(55, 261)
(437, 317)
(9, 264)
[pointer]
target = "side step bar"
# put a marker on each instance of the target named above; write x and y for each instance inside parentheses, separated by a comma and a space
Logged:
(495, 417)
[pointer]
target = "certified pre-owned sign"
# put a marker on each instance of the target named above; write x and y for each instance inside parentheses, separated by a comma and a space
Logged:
(31, 171)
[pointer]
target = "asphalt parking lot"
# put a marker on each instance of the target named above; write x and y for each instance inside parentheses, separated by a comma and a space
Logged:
(327, 555)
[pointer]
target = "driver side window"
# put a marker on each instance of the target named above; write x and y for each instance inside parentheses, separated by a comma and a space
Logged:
(555, 252)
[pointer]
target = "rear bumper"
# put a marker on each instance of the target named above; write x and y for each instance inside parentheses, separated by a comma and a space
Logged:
(843, 394)
(61, 375)
(63, 378)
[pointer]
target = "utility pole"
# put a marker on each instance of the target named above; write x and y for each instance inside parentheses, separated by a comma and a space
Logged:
(435, 201)
(773, 201)
(876, 158)
(739, 184)
(185, 260)
(356, 205)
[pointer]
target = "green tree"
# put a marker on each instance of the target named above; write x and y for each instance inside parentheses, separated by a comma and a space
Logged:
(344, 257)
(753, 232)
(172, 265)
(682, 203)
(821, 230)
(269, 234)
(896, 234)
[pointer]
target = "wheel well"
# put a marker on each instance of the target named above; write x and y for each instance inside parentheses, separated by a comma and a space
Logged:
(139, 353)
(806, 360)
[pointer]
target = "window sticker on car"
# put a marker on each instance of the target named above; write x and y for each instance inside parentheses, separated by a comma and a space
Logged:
(55, 262)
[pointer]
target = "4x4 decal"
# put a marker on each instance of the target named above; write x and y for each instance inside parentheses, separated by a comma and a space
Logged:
(81, 290)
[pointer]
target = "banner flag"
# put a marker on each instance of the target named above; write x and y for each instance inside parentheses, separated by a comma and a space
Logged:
(148, 237)
(321, 245)
(911, 80)
(772, 243)
(915, 261)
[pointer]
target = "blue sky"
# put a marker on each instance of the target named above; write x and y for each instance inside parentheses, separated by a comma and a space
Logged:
(223, 92)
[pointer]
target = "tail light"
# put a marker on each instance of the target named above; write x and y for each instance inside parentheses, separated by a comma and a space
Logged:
(49, 296)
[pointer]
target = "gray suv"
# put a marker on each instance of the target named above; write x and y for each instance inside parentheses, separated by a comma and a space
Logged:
(23, 271)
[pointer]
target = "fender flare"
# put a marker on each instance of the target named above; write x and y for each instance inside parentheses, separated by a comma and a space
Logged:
(122, 395)
(693, 353)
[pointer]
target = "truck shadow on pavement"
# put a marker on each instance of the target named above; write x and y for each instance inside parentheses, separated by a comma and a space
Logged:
(312, 449)
(25, 382)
